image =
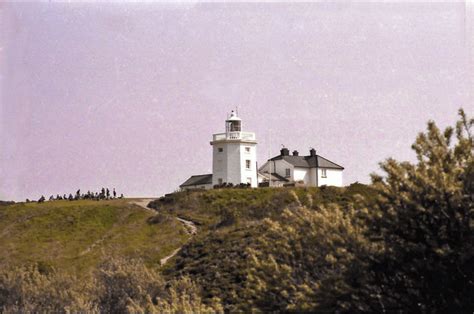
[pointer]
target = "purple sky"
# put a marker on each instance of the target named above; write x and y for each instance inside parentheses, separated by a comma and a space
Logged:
(128, 95)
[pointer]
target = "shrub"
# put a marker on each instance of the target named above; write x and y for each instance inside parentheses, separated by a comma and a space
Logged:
(28, 289)
(425, 216)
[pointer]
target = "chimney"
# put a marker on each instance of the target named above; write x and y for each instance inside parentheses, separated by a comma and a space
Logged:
(284, 152)
(312, 152)
(295, 153)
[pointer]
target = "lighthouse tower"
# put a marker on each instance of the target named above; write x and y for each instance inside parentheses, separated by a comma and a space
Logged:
(234, 154)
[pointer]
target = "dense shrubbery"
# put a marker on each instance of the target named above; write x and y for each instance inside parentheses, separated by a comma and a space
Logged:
(425, 215)
(119, 286)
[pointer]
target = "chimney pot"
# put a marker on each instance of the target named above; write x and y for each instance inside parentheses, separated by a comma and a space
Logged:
(295, 153)
(312, 152)
(285, 152)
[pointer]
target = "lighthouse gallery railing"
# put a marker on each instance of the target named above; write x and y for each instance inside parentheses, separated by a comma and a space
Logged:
(234, 136)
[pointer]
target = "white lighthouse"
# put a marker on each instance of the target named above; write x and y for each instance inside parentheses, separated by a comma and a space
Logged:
(234, 156)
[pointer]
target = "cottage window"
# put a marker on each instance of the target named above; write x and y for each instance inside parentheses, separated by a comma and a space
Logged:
(323, 173)
(287, 172)
(247, 164)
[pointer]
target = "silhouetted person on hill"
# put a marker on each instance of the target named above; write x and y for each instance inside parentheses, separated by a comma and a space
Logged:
(41, 200)
(115, 193)
(108, 193)
(121, 195)
(70, 197)
(51, 198)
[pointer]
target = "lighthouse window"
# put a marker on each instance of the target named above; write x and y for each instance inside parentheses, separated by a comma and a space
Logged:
(247, 149)
(247, 164)
(220, 149)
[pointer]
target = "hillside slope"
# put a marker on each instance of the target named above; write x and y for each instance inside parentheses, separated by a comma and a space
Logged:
(232, 224)
(76, 236)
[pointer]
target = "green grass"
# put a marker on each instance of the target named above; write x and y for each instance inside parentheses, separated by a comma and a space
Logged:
(208, 207)
(77, 236)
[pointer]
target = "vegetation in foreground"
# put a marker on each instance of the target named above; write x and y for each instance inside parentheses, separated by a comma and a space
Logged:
(403, 244)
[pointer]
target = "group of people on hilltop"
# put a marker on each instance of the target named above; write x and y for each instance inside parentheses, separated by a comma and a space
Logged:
(103, 194)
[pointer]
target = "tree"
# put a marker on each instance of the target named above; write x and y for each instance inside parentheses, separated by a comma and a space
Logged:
(425, 216)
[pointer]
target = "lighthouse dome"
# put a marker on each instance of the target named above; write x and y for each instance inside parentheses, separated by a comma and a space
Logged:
(233, 116)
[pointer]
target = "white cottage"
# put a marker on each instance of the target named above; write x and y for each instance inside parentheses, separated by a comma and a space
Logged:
(311, 170)
(234, 158)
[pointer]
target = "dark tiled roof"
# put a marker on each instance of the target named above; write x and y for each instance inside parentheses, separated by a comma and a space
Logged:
(308, 161)
(279, 177)
(275, 176)
(198, 180)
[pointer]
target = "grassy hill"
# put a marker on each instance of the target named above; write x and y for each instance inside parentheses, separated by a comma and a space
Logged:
(268, 249)
(231, 224)
(76, 236)
(64, 243)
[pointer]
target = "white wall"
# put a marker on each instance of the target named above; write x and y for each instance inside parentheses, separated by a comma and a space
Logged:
(280, 167)
(252, 156)
(301, 174)
(313, 177)
(310, 176)
(277, 166)
(333, 177)
(229, 165)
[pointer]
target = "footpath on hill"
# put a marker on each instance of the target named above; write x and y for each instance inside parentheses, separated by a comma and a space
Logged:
(190, 227)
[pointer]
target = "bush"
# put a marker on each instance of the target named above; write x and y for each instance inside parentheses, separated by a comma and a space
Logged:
(120, 286)
(425, 216)
(31, 289)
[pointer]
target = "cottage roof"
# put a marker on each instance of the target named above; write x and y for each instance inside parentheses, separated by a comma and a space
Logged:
(198, 180)
(275, 176)
(308, 161)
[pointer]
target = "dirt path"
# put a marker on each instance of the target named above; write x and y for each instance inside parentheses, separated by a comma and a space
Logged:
(190, 227)
(143, 203)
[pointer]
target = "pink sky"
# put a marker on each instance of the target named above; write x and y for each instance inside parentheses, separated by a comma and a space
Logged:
(128, 95)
